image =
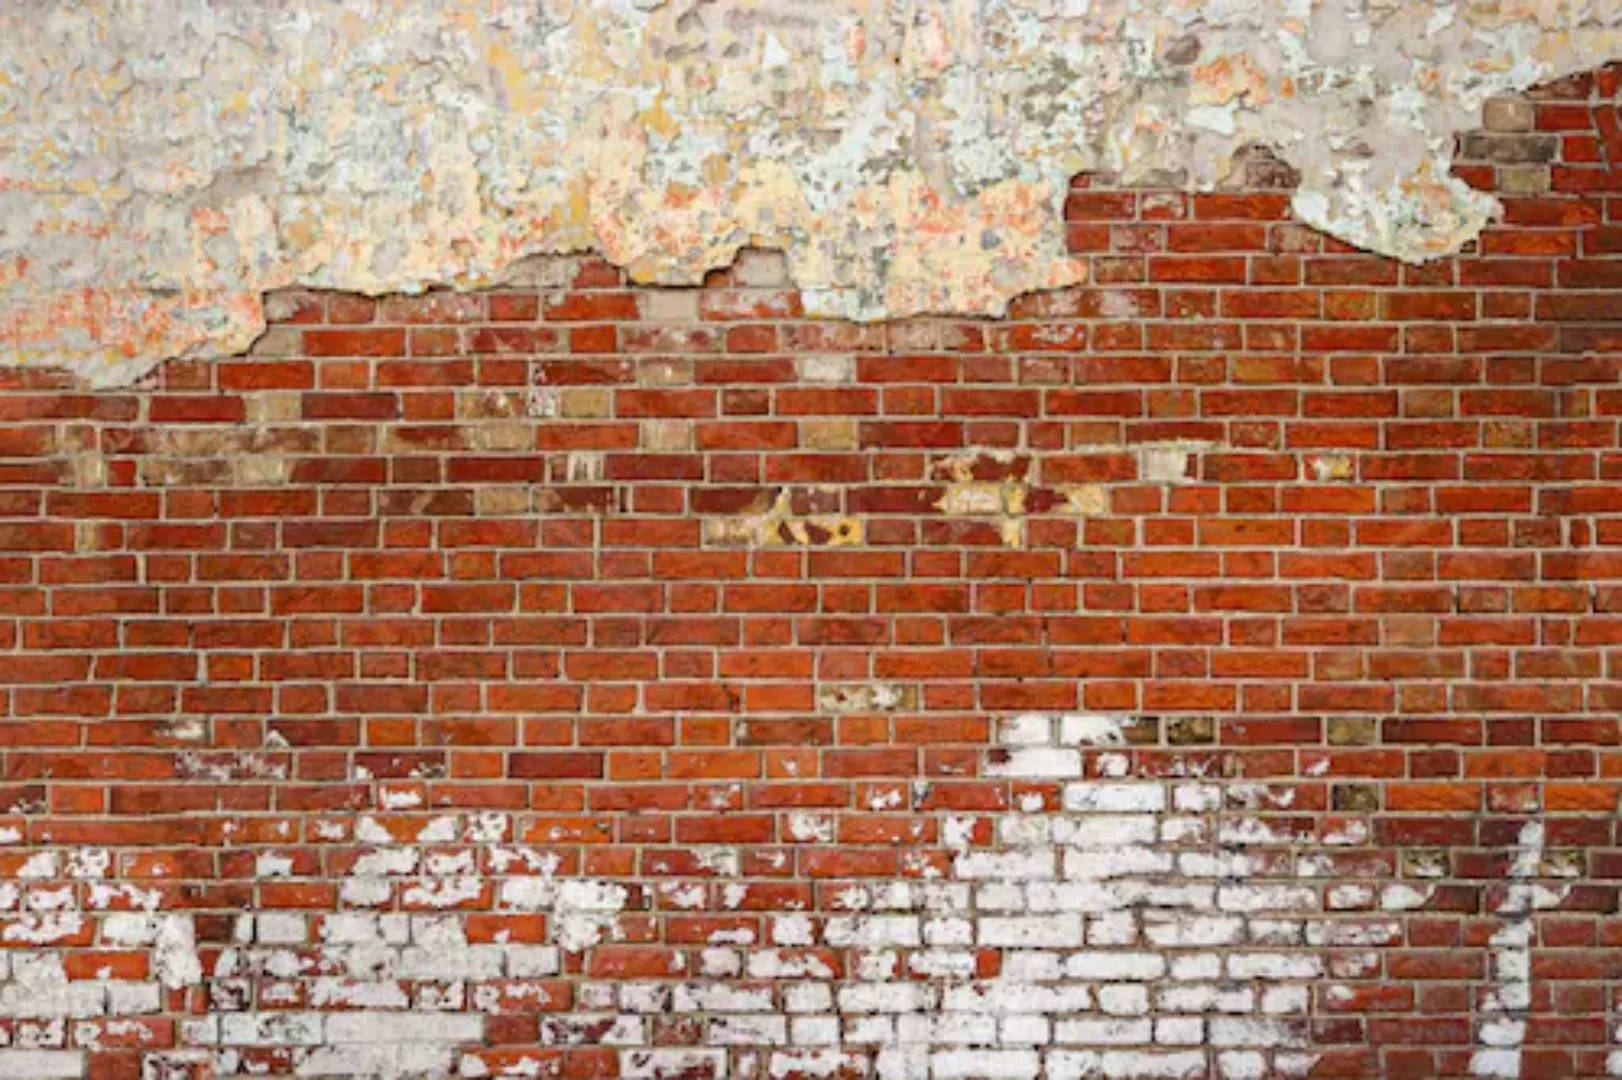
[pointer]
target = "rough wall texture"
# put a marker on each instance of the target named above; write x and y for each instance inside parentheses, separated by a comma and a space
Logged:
(1210, 671)
(163, 163)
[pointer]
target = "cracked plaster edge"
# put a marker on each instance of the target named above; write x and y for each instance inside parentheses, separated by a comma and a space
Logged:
(1375, 223)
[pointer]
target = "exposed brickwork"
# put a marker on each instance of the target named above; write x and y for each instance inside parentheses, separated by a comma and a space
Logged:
(1210, 671)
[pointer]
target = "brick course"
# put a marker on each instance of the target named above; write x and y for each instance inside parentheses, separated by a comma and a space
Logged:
(1206, 671)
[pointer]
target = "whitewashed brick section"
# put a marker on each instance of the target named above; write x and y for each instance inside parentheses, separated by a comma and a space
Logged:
(1145, 929)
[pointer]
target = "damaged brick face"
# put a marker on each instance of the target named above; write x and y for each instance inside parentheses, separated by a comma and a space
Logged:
(1207, 671)
(164, 163)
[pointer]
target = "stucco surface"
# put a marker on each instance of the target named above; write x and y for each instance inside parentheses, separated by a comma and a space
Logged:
(163, 163)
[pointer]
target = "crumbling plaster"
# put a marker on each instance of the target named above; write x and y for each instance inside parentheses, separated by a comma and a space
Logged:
(163, 163)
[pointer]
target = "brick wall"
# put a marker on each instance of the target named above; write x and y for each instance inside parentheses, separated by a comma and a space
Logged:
(1210, 671)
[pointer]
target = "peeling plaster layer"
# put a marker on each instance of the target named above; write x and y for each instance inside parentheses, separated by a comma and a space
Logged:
(163, 163)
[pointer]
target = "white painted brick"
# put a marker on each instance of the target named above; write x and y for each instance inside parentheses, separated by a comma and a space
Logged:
(1005, 998)
(1174, 931)
(1044, 931)
(129, 929)
(985, 1065)
(1114, 798)
(946, 1029)
(1090, 729)
(200, 1030)
(903, 1063)
(897, 998)
(1273, 966)
(873, 931)
(1206, 999)
(1105, 1032)
(606, 1029)
(1188, 1065)
(1107, 832)
(350, 928)
(1113, 928)
(948, 931)
(1096, 865)
(1184, 830)
(326, 993)
(783, 964)
(791, 930)
(1009, 865)
(1179, 1031)
(33, 999)
(1008, 896)
(748, 1031)
(1258, 831)
(663, 1064)
(362, 1060)
(814, 1031)
(453, 962)
(1277, 933)
(1027, 966)
(645, 997)
(1267, 898)
(1229, 864)
(531, 961)
(271, 1029)
(1037, 763)
(877, 966)
(41, 1064)
(384, 1027)
(596, 996)
(424, 1059)
(1241, 1065)
(281, 928)
(942, 898)
(943, 964)
(1025, 1031)
(1115, 966)
(1343, 933)
(877, 1030)
(815, 1062)
(128, 998)
(808, 997)
(1113, 765)
(720, 998)
(1197, 798)
(1285, 1000)
(1071, 1064)
(1351, 897)
(1121, 999)
(1232, 1031)
(1075, 896)
(1027, 729)
(1404, 897)
(1194, 897)
(1195, 968)
(1023, 830)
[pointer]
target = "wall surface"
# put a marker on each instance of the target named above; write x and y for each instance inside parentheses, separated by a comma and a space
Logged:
(163, 163)
(1210, 670)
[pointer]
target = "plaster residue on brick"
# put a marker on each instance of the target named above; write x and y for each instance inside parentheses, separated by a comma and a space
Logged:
(163, 163)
